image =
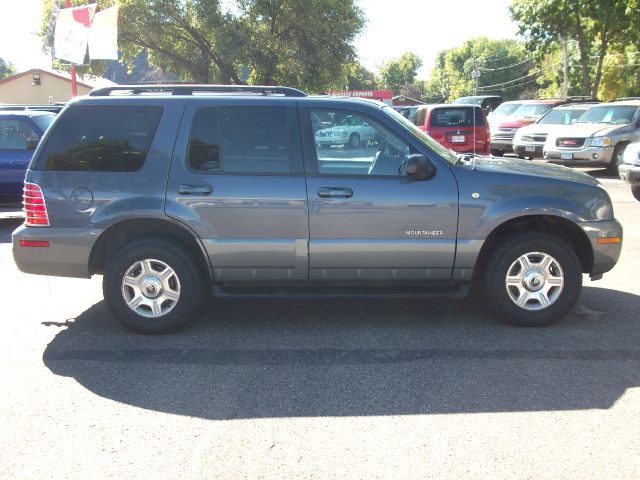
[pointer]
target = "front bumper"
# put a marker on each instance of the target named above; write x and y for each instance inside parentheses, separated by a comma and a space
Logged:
(630, 174)
(605, 255)
(580, 157)
(67, 255)
(528, 149)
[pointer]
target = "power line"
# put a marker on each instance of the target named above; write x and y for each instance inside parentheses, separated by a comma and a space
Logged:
(485, 87)
(507, 67)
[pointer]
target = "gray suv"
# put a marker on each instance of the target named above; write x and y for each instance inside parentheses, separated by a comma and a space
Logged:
(174, 192)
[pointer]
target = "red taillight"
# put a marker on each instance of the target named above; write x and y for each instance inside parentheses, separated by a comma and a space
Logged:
(35, 209)
(34, 243)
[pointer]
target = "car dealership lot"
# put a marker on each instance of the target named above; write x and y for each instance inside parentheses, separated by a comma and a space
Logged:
(321, 388)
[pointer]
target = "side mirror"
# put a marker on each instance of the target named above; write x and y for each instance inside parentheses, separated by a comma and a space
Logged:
(32, 143)
(420, 167)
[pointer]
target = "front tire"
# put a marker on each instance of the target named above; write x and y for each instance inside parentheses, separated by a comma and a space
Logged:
(636, 192)
(533, 279)
(497, 153)
(616, 159)
(152, 285)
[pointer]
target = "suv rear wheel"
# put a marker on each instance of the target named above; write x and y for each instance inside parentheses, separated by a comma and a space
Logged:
(533, 279)
(152, 285)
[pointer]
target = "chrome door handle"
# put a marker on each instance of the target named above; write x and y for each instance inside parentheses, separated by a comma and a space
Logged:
(335, 192)
(194, 189)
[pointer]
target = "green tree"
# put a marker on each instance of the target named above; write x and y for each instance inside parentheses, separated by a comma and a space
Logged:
(357, 77)
(504, 69)
(597, 27)
(301, 43)
(6, 68)
(399, 73)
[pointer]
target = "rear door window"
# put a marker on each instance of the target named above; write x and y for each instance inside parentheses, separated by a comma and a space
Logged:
(239, 140)
(106, 138)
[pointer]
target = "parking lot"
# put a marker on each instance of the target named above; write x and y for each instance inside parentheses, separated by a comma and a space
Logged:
(394, 389)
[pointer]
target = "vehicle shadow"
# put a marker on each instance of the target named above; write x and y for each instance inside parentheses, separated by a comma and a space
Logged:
(274, 358)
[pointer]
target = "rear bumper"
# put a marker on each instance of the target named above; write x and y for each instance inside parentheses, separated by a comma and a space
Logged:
(606, 255)
(67, 255)
(630, 174)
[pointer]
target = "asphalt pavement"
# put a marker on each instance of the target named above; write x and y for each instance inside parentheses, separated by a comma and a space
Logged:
(349, 389)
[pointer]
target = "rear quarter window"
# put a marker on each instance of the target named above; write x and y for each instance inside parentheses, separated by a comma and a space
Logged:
(106, 138)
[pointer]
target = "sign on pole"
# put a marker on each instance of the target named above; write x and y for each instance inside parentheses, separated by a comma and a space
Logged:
(103, 36)
(72, 33)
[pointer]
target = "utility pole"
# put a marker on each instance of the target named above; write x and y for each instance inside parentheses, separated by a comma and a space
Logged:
(74, 84)
(475, 75)
(565, 67)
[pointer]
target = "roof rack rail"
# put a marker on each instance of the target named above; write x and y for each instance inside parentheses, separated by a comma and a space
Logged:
(625, 99)
(185, 89)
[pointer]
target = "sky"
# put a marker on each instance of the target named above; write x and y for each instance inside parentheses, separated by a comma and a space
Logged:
(393, 27)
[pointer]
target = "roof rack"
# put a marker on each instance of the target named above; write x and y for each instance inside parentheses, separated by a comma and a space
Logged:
(53, 107)
(625, 99)
(191, 89)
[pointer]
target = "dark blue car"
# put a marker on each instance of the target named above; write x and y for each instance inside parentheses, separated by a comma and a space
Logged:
(20, 132)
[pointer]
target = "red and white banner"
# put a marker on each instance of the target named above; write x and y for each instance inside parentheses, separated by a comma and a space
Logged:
(72, 33)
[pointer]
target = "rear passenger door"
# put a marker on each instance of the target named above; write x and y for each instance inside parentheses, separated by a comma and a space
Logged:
(237, 180)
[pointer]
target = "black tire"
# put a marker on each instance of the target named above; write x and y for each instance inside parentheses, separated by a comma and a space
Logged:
(521, 156)
(189, 277)
(497, 153)
(354, 141)
(616, 159)
(502, 261)
(635, 191)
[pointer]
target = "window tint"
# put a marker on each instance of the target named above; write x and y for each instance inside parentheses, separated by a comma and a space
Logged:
(14, 134)
(109, 138)
(456, 117)
(240, 140)
(43, 121)
(357, 145)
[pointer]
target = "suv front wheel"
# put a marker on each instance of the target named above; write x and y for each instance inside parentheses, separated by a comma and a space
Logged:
(152, 285)
(533, 279)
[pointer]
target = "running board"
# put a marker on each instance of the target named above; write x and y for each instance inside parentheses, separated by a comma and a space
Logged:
(456, 291)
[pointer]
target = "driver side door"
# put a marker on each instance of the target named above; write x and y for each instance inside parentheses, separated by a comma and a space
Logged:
(369, 221)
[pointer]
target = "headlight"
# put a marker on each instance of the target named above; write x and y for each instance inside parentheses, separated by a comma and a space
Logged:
(600, 141)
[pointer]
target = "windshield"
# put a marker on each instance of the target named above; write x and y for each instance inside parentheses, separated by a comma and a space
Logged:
(43, 121)
(562, 116)
(468, 100)
(532, 109)
(506, 108)
(621, 114)
(445, 153)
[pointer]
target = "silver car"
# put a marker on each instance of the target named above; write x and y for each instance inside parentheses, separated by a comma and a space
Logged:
(598, 139)
(529, 140)
(629, 170)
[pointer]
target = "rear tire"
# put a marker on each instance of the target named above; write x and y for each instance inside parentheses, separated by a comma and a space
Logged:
(497, 153)
(532, 279)
(152, 285)
(354, 141)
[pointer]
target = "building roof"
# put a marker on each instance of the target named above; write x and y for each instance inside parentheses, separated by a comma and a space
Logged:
(88, 81)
